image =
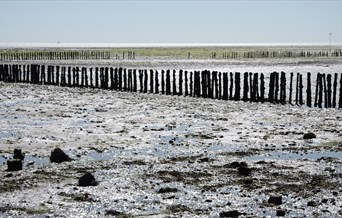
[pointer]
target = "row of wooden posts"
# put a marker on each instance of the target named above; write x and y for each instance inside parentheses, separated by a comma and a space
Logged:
(256, 87)
(278, 54)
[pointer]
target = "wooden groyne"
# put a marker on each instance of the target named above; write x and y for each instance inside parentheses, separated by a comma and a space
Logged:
(276, 87)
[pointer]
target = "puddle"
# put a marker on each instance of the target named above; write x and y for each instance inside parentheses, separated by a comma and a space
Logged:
(7, 133)
(29, 160)
(224, 148)
(314, 155)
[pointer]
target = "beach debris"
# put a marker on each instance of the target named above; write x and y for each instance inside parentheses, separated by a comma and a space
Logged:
(232, 213)
(280, 212)
(87, 180)
(309, 135)
(277, 200)
(18, 154)
(14, 165)
(167, 190)
(59, 156)
(244, 171)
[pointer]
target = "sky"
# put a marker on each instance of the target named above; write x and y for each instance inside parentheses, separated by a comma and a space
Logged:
(170, 21)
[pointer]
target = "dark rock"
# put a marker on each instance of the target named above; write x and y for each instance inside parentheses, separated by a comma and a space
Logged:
(9, 175)
(18, 155)
(312, 204)
(204, 159)
(167, 190)
(58, 156)
(278, 200)
(281, 212)
(233, 213)
(243, 164)
(113, 213)
(87, 180)
(14, 165)
(309, 135)
(244, 171)
(235, 164)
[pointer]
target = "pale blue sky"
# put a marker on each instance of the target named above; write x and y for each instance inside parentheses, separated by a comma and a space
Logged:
(172, 21)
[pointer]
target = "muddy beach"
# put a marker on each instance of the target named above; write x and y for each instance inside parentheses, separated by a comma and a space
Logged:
(166, 156)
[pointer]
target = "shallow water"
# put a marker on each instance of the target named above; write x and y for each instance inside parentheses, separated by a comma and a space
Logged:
(313, 155)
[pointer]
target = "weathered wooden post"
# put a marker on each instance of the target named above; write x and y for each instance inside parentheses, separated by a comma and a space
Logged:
(245, 87)
(340, 100)
(325, 91)
(191, 84)
(271, 88)
(301, 90)
(255, 88)
(91, 78)
(237, 86)
(320, 89)
(210, 84)
(329, 90)
(112, 78)
(186, 83)
(204, 84)
(291, 89)
(174, 86)
(125, 80)
(308, 90)
(262, 88)
(42, 79)
(106, 78)
(180, 82)
(335, 90)
(120, 79)
(141, 77)
(157, 82)
(145, 81)
(135, 85)
(96, 77)
(283, 88)
(69, 76)
(225, 86)
(163, 81)
(116, 78)
(168, 83)
(151, 81)
(276, 87)
(215, 80)
(82, 77)
(130, 85)
(231, 86)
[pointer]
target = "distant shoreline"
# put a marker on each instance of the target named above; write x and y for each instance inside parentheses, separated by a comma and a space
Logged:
(154, 45)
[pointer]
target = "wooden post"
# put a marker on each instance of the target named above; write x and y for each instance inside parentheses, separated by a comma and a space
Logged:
(301, 89)
(220, 85)
(210, 84)
(125, 80)
(325, 91)
(320, 90)
(174, 87)
(225, 86)
(163, 81)
(96, 77)
(262, 88)
(340, 100)
(141, 76)
(237, 86)
(191, 84)
(204, 84)
(180, 80)
(168, 83)
(271, 88)
(116, 78)
(42, 79)
(335, 90)
(129, 84)
(112, 78)
(245, 87)
(106, 78)
(151, 81)
(308, 90)
(231, 86)
(91, 78)
(145, 81)
(135, 80)
(186, 83)
(157, 82)
(255, 88)
(276, 87)
(120, 79)
(329, 90)
(291, 89)
(283, 88)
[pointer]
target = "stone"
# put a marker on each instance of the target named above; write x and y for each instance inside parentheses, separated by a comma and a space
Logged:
(87, 180)
(14, 165)
(277, 200)
(167, 190)
(309, 135)
(281, 212)
(312, 204)
(244, 171)
(232, 213)
(58, 156)
(18, 154)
